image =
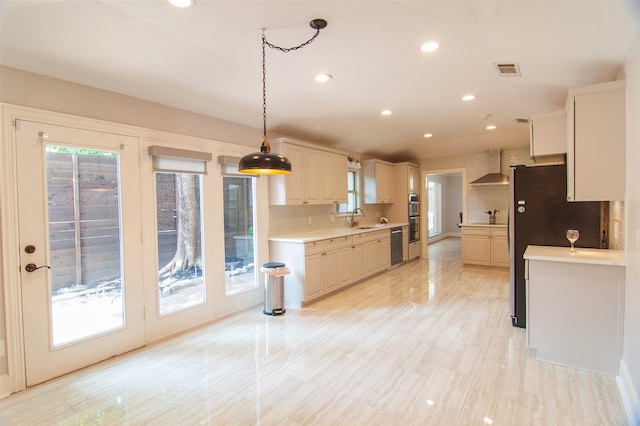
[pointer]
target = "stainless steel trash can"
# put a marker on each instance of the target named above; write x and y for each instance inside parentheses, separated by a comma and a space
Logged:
(274, 287)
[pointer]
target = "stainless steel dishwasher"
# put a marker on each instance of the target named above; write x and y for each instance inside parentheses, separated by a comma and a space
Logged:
(396, 245)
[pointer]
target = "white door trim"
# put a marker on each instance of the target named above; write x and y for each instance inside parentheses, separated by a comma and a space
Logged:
(10, 256)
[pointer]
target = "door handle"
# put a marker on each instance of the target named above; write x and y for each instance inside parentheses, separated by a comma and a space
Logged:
(30, 267)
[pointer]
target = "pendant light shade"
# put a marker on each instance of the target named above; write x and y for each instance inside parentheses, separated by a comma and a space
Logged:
(264, 162)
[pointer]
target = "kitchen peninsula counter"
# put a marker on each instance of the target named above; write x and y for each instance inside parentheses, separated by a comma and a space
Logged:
(582, 255)
(575, 306)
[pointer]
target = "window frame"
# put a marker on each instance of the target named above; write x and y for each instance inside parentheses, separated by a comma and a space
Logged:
(353, 179)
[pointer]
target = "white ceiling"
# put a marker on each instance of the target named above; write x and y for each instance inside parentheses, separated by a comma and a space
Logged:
(207, 59)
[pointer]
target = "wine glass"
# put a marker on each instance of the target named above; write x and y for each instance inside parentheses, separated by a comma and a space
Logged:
(572, 236)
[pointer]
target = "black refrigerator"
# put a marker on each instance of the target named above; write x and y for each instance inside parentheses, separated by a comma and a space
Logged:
(539, 214)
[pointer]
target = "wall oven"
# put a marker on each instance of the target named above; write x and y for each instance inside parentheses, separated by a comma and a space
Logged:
(414, 229)
(414, 205)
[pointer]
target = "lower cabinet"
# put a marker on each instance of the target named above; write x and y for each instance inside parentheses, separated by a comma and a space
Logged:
(313, 270)
(485, 245)
(320, 267)
(358, 257)
(499, 248)
(377, 252)
(575, 311)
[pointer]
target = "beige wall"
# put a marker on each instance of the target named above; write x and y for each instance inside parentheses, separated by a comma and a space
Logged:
(50, 94)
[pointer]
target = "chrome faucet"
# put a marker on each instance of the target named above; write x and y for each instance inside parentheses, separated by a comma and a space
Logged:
(353, 212)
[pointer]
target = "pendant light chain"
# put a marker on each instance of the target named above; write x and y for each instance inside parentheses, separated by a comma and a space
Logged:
(264, 162)
(265, 143)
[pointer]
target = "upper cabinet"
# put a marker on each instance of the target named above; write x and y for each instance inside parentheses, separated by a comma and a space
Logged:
(414, 179)
(548, 134)
(596, 141)
(317, 176)
(406, 181)
(334, 181)
(378, 182)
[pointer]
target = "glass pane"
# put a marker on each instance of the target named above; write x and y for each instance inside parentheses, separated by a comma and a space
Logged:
(180, 276)
(84, 242)
(435, 201)
(239, 247)
(351, 181)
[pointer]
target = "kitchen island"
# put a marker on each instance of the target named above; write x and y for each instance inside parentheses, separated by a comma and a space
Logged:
(326, 261)
(485, 244)
(575, 306)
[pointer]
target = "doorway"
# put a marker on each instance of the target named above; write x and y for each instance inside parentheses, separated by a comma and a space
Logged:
(445, 208)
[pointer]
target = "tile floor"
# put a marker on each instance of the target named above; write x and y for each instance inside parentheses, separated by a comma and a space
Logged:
(427, 343)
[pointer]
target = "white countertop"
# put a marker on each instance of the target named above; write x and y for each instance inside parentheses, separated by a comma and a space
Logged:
(324, 234)
(582, 255)
(495, 225)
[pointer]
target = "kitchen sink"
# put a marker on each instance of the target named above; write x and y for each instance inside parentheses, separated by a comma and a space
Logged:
(381, 225)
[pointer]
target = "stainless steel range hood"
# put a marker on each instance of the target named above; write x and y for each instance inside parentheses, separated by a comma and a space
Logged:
(494, 177)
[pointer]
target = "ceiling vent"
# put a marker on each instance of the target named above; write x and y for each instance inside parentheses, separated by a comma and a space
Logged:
(510, 69)
(522, 120)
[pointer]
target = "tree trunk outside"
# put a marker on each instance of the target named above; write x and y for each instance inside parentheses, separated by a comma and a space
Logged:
(188, 250)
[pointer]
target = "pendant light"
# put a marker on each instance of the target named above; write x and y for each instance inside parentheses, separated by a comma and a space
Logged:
(264, 162)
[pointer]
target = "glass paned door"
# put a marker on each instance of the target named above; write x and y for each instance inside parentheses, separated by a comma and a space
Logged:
(180, 277)
(239, 236)
(80, 249)
(83, 193)
(434, 190)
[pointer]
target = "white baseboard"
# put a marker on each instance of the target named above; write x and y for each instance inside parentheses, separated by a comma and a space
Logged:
(442, 236)
(629, 395)
(5, 386)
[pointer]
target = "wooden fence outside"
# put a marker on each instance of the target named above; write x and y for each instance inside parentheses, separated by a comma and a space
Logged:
(84, 217)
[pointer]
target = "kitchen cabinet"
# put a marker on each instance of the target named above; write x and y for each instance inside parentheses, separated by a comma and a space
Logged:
(414, 179)
(414, 250)
(333, 179)
(313, 271)
(317, 176)
(378, 251)
(345, 265)
(322, 266)
(596, 142)
(575, 305)
(358, 256)
(407, 180)
(499, 247)
(378, 182)
(405, 243)
(485, 245)
(548, 134)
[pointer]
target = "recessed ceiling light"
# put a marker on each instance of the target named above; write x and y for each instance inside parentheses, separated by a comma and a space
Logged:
(323, 78)
(386, 112)
(468, 97)
(491, 127)
(428, 135)
(182, 3)
(429, 46)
